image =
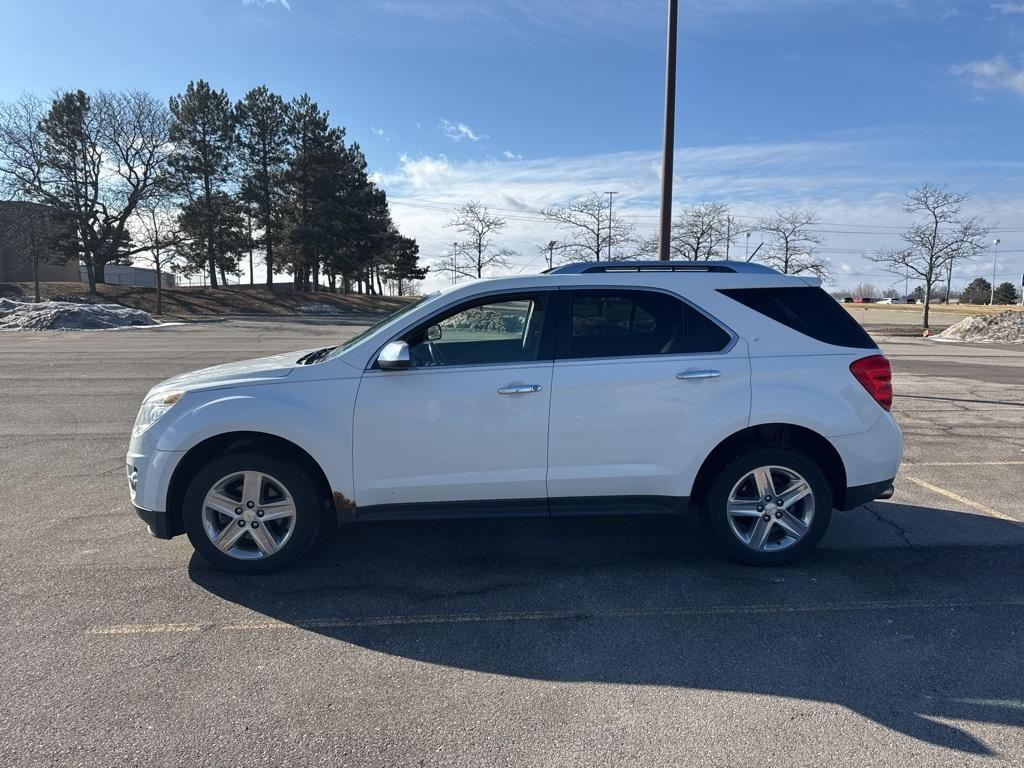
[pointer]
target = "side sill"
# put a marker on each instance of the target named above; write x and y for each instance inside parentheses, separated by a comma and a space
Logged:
(437, 510)
(618, 505)
(561, 507)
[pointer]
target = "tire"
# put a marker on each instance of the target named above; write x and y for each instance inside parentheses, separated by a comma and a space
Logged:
(758, 533)
(277, 527)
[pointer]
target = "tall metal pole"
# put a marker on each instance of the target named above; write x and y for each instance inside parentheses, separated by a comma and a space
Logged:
(551, 253)
(665, 228)
(610, 224)
(995, 258)
(728, 235)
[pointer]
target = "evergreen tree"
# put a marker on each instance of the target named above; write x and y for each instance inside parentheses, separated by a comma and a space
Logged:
(263, 154)
(203, 135)
(1006, 293)
(314, 183)
(978, 291)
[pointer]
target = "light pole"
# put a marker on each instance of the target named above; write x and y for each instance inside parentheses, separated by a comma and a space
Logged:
(665, 224)
(746, 250)
(551, 253)
(610, 224)
(995, 259)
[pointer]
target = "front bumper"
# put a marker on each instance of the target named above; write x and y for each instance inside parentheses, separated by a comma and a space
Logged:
(160, 524)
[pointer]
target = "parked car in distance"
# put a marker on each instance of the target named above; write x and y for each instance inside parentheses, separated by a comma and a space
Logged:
(891, 300)
(863, 300)
(621, 387)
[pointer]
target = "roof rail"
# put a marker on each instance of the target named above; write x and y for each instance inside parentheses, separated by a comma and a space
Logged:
(591, 267)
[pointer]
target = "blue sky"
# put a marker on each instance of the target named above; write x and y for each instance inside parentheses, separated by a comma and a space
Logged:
(840, 105)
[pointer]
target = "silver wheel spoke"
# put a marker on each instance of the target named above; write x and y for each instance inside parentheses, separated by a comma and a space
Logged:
(251, 487)
(264, 540)
(218, 501)
(763, 480)
(278, 510)
(794, 493)
(794, 526)
(759, 533)
(743, 508)
(226, 539)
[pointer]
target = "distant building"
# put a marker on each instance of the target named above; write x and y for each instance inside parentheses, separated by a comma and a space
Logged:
(15, 264)
(137, 277)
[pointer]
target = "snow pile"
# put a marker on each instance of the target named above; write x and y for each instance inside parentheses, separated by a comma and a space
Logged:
(318, 309)
(67, 316)
(1005, 328)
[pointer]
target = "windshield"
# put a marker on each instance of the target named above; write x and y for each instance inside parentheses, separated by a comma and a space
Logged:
(394, 317)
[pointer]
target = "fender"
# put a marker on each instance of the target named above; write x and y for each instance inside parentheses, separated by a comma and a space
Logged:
(316, 416)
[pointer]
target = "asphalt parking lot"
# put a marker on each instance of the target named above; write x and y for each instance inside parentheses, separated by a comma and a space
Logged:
(542, 642)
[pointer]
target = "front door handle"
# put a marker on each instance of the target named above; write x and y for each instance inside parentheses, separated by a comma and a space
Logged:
(519, 389)
(699, 374)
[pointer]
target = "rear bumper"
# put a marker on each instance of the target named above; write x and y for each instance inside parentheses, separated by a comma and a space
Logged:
(160, 524)
(862, 494)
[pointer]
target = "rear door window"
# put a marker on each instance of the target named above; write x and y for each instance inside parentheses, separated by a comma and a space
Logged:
(807, 310)
(613, 323)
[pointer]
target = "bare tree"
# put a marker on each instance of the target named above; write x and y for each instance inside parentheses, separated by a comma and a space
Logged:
(942, 236)
(477, 252)
(92, 158)
(703, 232)
(38, 233)
(156, 229)
(589, 231)
(793, 243)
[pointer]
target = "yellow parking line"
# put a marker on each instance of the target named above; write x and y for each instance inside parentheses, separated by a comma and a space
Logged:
(957, 497)
(963, 464)
(466, 618)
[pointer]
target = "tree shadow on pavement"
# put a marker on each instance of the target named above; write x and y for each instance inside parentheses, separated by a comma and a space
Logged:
(903, 635)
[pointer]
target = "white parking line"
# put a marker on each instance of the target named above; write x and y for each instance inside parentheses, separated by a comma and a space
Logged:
(957, 497)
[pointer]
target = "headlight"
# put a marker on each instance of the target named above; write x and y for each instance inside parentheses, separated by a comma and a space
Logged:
(152, 409)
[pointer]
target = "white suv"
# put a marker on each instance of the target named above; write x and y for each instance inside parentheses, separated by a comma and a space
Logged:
(622, 387)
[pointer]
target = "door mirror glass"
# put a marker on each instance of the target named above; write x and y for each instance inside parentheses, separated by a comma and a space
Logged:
(434, 333)
(394, 357)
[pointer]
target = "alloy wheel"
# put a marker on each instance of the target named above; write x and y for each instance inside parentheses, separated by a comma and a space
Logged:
(770, 508)
(249, 515)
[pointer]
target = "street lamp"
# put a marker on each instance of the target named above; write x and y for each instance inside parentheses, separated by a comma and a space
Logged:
(995, 259)
(665, 223)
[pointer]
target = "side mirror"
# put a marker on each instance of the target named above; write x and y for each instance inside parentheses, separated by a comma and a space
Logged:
(394, 357)
(434, 333)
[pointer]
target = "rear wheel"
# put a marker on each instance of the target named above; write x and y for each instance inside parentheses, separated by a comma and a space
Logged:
(251, 513)
(769, 506)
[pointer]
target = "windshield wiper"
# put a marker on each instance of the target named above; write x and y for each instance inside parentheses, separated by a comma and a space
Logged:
(315, 357)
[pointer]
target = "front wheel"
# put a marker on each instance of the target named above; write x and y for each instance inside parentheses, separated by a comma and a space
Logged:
(769, 506)
(251, 513)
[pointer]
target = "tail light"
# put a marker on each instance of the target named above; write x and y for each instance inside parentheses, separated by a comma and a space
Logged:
(875, 376)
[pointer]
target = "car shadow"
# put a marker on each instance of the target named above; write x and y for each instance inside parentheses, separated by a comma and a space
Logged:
(905, 635)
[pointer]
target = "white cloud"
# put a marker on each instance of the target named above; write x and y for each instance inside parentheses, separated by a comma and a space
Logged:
(459, 131)
(286, 4)
(992, 74)
(1008, 7)
(510, 155)
(856, 187)
(380, 132)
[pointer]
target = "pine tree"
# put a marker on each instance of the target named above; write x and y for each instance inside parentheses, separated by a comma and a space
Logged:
(978, 291)
(1005, 293)
(263, 154)
(203, 135)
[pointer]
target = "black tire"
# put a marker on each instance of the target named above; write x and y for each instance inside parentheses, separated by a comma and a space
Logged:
(300, 485)
(714, 504)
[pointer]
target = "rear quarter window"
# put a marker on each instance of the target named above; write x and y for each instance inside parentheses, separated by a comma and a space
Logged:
(807, 310)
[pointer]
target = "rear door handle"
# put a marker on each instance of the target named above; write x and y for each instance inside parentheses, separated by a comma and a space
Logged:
(698, 374)
(519, 389)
